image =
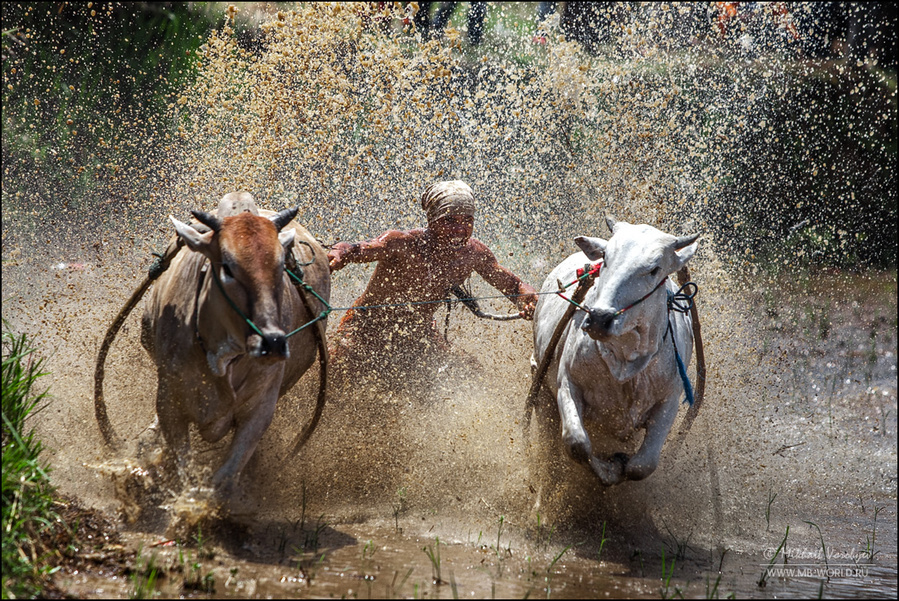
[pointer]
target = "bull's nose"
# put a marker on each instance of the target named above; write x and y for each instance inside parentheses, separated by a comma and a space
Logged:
(599, 322)
(272, 346)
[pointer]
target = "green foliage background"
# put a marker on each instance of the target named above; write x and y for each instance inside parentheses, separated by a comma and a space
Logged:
(90, 90)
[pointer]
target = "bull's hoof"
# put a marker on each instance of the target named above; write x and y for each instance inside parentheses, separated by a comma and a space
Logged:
(192, 509)
(579, 450)
(224, 489)
(638, 471)
(609, 472)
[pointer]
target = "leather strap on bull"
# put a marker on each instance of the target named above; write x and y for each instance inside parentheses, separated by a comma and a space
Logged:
(683, 278)
(585, 280)
(295, 273)
(156, 269)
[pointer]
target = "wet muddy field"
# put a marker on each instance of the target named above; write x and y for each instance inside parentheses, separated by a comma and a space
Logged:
(784, 487)
(431, 492)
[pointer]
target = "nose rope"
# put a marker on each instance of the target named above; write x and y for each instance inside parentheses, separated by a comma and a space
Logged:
(215, 278)
(645, 296)
(593, 270)
(253, 326)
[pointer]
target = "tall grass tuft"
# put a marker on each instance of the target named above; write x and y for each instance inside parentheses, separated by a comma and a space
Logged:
(27, 493)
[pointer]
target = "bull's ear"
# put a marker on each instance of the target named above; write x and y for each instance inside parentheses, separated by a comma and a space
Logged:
(195, 240)
(284, 217)
(684, 249)
(594, 248)
(286, 238)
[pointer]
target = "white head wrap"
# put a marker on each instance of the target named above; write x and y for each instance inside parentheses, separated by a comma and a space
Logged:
(447, 198)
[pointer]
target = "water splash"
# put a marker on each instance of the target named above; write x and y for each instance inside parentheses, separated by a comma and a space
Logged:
(330, 109)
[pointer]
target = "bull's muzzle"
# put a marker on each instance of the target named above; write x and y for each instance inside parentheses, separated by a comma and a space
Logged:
(269, 346)
(599, 323)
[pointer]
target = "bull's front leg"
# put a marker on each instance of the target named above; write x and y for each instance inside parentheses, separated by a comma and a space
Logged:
(571, 411)
(251, 422)
(575, 438)
(658, 425)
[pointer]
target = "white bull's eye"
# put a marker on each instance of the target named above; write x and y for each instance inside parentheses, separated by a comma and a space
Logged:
(654, 271)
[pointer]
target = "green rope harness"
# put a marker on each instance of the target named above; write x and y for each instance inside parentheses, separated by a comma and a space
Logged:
(299, 281)
(311, 290)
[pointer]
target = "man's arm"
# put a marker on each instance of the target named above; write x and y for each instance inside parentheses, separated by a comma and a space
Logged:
(343, 253)
(522, 294)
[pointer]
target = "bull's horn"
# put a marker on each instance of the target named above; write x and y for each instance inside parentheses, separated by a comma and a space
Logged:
(683, 241)
(611, 222)
(210, 221)
(284, 217)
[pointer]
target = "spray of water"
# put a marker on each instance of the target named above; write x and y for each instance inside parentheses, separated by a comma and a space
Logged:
(347, 112)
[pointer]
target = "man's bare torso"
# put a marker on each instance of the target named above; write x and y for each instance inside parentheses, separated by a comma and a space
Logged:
(414, 271)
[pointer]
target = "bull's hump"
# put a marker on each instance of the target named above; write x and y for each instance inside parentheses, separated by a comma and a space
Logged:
(236, 203)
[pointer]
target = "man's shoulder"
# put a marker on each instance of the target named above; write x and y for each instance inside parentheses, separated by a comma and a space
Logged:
(476, 253)
(478, 247)
(400, 236)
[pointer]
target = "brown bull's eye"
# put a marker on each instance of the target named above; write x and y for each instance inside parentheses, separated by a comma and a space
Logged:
(227, 270)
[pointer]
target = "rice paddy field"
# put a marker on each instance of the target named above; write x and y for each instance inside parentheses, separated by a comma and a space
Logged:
(780, 153)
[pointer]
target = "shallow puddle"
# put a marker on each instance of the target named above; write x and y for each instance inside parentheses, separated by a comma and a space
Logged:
(370, 561)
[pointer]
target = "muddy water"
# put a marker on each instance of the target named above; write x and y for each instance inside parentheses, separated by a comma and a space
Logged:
(799, 425)
(389, 473)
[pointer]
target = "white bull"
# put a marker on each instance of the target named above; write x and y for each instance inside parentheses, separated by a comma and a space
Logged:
(615, 364)
(214, 368)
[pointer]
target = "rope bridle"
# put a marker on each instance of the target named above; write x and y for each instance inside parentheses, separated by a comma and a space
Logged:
(680, 301)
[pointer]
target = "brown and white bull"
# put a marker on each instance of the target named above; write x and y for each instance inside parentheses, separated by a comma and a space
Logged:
(615, 364)
(216, 369)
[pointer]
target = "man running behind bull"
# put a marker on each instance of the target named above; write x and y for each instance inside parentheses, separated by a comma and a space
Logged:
(416, 266)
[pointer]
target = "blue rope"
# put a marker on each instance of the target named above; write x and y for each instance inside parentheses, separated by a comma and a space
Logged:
(681, 302)
(682, 370)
